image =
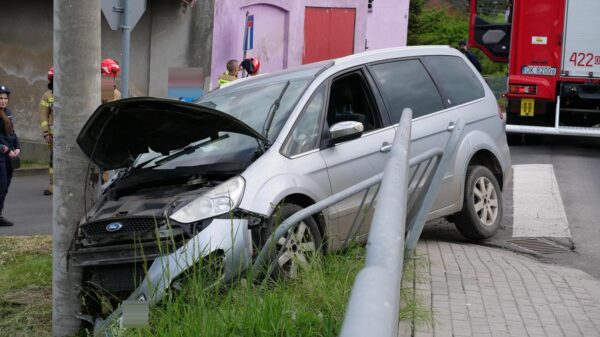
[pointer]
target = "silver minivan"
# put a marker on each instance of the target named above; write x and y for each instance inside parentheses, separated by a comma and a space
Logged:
(276, 143)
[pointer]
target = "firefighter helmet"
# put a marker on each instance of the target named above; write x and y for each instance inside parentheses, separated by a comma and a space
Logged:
(251, 65)
(110, 67)
(50, 74)
(4, 89)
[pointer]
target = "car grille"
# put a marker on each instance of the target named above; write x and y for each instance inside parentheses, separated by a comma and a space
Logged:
(130, 227)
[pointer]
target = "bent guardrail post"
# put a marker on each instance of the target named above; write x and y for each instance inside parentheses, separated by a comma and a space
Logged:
(418, 222)
(376, 290)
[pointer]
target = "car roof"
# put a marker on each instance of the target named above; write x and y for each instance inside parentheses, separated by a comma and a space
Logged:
(393, 53)
(314, 69)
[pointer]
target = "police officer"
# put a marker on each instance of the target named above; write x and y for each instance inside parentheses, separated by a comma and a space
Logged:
(45, 113)
(9, 149)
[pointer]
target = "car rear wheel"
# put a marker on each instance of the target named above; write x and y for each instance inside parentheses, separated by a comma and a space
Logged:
(304, 242)
(482, 208)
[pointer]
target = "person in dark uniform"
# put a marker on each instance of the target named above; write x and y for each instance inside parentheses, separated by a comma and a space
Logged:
(462, 46)
(9, 149)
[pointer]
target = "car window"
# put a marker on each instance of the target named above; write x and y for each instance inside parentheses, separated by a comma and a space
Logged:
(457, 81)
(350, 99)
(305, 135)
(406, 84)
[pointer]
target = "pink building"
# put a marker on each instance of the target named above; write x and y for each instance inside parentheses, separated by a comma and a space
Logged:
(288, 33)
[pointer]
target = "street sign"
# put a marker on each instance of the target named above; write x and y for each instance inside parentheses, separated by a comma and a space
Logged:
(113, 12)
(249, 33)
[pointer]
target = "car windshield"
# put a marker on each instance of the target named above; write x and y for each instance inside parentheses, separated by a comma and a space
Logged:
(251, 104)
(226, 149)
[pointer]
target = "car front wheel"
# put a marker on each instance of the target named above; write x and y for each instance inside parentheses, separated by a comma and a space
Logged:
(295, 249)
(482, 208)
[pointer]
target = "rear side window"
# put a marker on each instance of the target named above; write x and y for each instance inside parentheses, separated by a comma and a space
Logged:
(457, 81)
(406, 84)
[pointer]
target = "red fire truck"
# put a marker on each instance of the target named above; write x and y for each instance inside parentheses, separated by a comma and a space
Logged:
(553, 52)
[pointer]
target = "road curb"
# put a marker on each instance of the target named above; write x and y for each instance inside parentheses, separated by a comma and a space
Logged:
(30, 172)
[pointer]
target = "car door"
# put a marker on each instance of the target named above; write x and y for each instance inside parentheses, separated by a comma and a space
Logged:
(348, 163)
(406, 83)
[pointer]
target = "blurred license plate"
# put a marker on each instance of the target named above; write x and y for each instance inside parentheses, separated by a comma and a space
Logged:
(538, 70)
(527, 107)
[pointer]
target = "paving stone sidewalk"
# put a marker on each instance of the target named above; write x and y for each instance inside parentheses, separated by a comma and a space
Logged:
(481, 291)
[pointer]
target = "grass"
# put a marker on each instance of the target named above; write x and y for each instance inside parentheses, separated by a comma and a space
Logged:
(312, 305)
(26, 286)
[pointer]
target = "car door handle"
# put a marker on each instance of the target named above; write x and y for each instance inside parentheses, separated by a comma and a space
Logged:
(385, 147)
(450, 126)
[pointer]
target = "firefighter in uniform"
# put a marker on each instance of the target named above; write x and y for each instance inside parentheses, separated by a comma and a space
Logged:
(108, 67)
(45, 113)
(251, 66)
(231, 74)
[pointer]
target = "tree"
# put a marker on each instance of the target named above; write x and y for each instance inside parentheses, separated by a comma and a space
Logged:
(414, 13)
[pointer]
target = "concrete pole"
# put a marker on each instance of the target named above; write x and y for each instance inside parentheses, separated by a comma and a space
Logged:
(77, 94)
(126, 28)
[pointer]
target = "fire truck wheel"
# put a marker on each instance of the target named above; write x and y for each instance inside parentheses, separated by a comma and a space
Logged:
(482, 206)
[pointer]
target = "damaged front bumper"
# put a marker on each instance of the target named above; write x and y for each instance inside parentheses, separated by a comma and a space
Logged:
(229, 236)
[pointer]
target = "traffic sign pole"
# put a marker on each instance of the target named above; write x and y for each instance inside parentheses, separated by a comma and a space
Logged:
(124, 15)
(245, 39)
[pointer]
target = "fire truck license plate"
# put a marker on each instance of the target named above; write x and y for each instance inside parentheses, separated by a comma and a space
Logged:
(527, 105)
(538, 70)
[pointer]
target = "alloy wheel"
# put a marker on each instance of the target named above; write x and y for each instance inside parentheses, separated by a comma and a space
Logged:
(485, 201)
(297, 251)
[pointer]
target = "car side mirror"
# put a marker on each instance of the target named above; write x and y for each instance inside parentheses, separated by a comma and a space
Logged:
(345, 131)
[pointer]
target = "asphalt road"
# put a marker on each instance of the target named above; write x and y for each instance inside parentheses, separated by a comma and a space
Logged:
(27, 207)
(576, 163)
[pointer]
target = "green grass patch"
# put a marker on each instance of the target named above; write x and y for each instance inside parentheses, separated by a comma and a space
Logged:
(26, 286)
(312, 305)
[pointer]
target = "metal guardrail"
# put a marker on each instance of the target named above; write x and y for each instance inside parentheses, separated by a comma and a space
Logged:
(373, 308)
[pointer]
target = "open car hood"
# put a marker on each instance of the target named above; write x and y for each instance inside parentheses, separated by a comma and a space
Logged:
(117, 132)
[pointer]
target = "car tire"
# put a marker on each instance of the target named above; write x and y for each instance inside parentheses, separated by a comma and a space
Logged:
(482, 205)
(304, 243)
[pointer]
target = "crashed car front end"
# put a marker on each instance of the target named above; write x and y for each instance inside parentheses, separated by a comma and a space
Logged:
(122, 253)
(173, 204)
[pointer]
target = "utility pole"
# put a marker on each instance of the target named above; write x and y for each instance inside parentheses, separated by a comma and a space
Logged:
(126, 28)
(77, 95)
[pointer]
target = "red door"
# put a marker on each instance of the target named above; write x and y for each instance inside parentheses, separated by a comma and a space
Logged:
(328, 33)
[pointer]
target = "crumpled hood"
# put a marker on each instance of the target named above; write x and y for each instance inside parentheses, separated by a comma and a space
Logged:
(119, 131)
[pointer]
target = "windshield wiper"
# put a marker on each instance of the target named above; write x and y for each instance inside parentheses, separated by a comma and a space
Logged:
(272, 110)
(186, 150)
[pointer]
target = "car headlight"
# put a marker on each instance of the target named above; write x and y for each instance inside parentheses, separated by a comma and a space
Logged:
(217, 201)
